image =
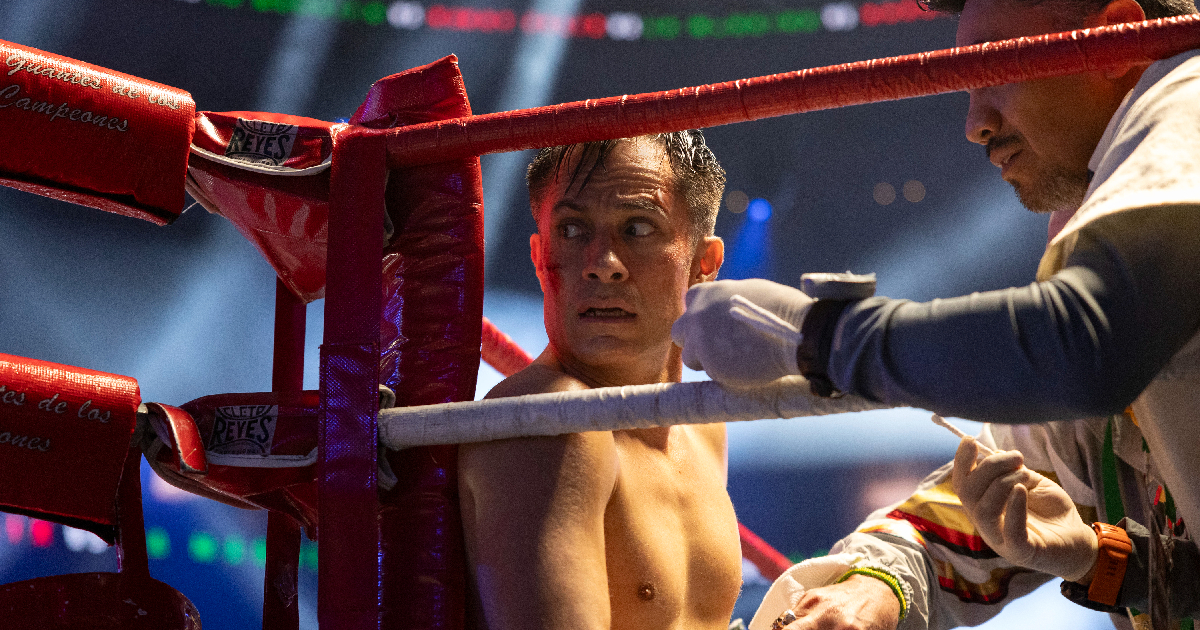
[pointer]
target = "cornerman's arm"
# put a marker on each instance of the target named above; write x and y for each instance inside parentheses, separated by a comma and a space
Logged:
(1032, 522)
(927, 542)
(1083, 343)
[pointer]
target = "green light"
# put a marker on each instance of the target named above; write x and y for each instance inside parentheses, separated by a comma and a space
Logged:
(747, 24)
(319, 8)
(202, 547)
(802, 21)
(374, 13)
(158, 543)
(229, 4)
(283, 7)
(308, 556)
(661, 27)
(234, 550)
(700, 26)
(260, 551)
(348, 11)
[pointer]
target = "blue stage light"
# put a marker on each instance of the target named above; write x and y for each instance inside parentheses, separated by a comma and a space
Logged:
(759, 210)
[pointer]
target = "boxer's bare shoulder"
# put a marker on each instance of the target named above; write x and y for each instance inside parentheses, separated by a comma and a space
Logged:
(542, 376)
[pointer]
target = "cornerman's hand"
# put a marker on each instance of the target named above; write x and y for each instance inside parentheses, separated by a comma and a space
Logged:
(860, 603)
(1021, 515)
(741, 341)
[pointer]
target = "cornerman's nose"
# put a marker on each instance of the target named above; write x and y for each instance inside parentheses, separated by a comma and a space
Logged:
(983, 121)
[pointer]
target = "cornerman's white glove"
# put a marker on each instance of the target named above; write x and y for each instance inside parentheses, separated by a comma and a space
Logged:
(1021, 515)
(744, 333)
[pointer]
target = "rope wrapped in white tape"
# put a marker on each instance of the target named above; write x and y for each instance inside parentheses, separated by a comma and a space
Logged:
(605, 409)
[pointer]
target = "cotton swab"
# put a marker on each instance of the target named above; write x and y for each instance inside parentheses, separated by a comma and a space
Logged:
(941, 422)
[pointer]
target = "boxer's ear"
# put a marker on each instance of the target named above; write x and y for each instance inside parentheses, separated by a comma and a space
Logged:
(710, 253)
(535, 255)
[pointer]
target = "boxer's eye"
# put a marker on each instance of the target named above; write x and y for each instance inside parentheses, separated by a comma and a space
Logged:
(639, 228)
(570, 230)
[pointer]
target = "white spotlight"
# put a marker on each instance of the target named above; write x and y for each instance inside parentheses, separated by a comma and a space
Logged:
(839, 16)
(624, 26)
(406, 15)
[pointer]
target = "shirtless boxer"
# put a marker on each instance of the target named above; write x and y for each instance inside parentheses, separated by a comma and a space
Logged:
(627, 529)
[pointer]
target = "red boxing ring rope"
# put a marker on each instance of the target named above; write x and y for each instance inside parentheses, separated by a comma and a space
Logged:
(890, 78)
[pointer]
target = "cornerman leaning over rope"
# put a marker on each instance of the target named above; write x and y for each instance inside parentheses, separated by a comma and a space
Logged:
(1112, 321)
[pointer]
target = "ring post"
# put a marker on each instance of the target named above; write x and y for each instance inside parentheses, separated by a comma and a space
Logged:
(348, 534)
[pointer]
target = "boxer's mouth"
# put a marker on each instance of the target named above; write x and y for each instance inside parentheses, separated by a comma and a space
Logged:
(607, 314)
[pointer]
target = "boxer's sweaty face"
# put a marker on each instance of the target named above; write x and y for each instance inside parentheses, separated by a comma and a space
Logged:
(614, 258)
(1041, 133)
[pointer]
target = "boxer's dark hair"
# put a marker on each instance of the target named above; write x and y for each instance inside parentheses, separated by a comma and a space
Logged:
(1078, 8)
(697, 176)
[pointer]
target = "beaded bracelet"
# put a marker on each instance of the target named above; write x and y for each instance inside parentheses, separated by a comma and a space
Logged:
(878, 573)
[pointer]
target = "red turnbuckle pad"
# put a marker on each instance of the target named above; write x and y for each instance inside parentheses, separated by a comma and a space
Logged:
(269, 175)
(94, 137)
(253, 451)
(64, 437)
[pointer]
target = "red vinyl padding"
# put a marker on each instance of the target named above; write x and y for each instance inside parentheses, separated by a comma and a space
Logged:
(64, 438)
(91, 136)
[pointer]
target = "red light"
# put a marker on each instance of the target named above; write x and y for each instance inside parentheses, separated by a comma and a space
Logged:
(468, 19)
(14, 528)
(437, 16)
(533, 22)
(894, 13)
(42, 533)
(591, 25)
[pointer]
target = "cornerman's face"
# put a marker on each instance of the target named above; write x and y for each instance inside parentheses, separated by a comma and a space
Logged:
(1041, 133)
(615, 260)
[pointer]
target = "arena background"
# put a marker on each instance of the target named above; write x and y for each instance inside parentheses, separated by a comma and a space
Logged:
(892, 188)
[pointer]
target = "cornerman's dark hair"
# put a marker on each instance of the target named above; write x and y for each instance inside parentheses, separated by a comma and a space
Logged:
(1153, 8)
(697, 175)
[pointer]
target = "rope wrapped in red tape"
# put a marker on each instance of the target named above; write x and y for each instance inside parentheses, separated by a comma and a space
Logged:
(891, 78)
(501, 352)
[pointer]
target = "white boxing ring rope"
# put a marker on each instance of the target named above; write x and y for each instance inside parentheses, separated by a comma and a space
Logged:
(606, 409)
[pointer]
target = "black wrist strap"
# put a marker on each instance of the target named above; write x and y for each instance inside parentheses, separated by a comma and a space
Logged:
(816, 341)
(1078, 593)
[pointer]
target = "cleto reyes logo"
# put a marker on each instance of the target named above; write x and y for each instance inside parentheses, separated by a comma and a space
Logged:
(261, 142)
(243, 430)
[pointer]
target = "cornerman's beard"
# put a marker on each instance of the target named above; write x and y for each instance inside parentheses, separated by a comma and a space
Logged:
(1057, 189)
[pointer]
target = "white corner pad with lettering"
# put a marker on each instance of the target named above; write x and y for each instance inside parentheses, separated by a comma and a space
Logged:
(791, 586)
